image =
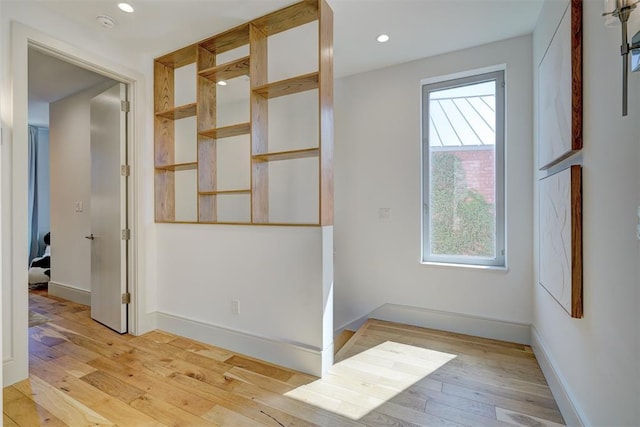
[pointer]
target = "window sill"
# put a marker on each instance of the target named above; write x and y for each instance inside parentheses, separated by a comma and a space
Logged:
(494, 268)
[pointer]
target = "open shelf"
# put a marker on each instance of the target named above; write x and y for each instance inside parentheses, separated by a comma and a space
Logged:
(287, 155)
(288, 86)
(228, 40)
(178, 166)
(213, 193)
(228, 71)
(252, 191)
(179, 58)
(180, 112)
(227, 131)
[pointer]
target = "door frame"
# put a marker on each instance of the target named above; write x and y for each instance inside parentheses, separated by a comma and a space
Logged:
(15, 158)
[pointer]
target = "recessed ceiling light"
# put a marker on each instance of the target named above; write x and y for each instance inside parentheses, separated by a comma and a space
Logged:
(382, 38)
(222, 83)
(106, 21)
(125, 7)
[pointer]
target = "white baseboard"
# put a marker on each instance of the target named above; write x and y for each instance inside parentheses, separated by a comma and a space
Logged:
(572, 416)
(146, 322)
(291, 355)
(70, 293)
(451, 322)
(11, 372)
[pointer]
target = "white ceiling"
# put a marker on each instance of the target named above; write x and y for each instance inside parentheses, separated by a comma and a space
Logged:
(51, 79)
(418, 28)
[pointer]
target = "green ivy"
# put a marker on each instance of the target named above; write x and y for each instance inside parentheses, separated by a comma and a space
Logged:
(462, 222)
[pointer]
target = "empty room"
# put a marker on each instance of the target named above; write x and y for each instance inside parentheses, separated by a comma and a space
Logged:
(320, 212)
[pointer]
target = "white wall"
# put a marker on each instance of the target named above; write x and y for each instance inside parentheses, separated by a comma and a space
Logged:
(276, 273)
(20, 23)
(70, 146)
(377, 164)
(595, 358)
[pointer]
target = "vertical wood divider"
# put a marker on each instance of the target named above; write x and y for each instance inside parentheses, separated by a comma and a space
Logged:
(207, 147)
(259, 126)
(164, 143)
(325, 95)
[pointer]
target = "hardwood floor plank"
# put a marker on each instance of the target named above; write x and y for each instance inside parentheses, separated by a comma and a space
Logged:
(391, 375)
(521, 419)
(113, 386)
(10, 394)
(66, 409)
(154, 387)
(166, 413)
(292, 406)
(526, 406)
(26, 412)
(222, 416)
(259, 367)
(236, 403)
(8, 422)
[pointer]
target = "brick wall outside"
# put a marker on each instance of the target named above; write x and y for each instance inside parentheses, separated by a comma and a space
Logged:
(479, 167)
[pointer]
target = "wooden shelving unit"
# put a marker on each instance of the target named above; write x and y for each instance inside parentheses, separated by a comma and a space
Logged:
(255, 35)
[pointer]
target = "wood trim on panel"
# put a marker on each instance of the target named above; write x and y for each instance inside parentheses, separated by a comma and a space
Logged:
(325, 99)
(228, 71)
(576, 75)
(576, 241)
(288, 86)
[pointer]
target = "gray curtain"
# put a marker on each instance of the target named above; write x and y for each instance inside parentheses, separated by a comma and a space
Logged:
(33, 192)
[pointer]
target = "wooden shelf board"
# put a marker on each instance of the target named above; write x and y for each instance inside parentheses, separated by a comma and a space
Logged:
(222, 192)
(287, 155)
(180, 57)
(180, 112)
(179, 166)
(228, 40)
(288, 86)
(228, 71)
(287, 18)
(227, 131)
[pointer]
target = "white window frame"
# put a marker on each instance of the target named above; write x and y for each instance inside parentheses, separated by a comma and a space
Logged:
(451, 81)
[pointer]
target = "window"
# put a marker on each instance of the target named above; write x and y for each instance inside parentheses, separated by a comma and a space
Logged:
(463, 170)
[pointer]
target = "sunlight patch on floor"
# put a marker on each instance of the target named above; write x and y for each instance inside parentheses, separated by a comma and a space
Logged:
(360, 384)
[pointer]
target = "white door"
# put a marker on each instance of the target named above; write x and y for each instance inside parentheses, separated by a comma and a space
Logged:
(109, 208)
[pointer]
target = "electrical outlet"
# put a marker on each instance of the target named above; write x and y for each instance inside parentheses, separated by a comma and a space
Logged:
(79, 207)
(235, 306)
(384, 213)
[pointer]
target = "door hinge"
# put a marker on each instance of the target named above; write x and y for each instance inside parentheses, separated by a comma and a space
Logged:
(125, 106)
(125, 170)
(126, 234)
(126, 298)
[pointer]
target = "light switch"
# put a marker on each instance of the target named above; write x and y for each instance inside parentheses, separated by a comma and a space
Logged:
(79, 207)
(384, 213)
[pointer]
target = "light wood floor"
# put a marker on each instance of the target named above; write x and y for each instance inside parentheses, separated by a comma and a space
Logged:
(388, 375)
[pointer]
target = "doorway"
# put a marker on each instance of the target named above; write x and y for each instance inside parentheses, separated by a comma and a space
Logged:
(86, 119)
(15, 258)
